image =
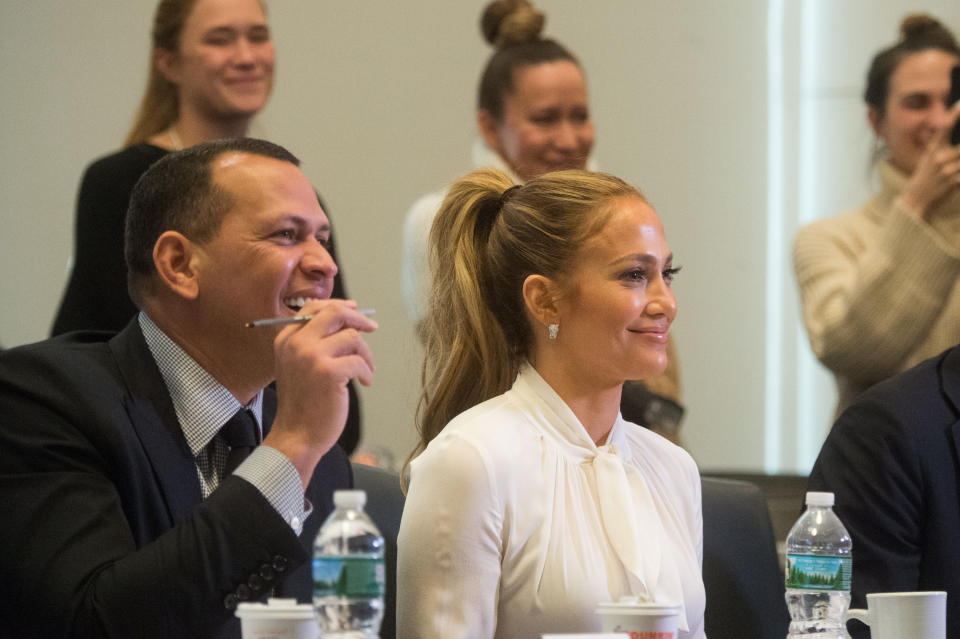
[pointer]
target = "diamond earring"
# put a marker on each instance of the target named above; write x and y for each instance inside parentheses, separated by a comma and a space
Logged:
(552, 331)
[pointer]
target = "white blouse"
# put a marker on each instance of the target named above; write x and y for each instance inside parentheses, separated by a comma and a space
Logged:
(517, 524)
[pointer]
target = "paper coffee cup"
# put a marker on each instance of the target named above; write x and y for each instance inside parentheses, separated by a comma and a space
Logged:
(641, 620)
(278, 619)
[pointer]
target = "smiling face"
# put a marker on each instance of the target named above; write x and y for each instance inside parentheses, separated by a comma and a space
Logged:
(224, 65)
(268, 258)
(546, 122)
(916, 106)
(616, 305)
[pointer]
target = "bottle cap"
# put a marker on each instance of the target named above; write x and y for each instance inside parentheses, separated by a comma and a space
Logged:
(820, 499)
(349, 498)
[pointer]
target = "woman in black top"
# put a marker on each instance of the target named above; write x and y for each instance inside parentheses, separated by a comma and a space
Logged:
(211, 72)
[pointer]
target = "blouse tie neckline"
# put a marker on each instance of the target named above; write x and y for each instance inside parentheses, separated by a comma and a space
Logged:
(621, 499)
(628, 512)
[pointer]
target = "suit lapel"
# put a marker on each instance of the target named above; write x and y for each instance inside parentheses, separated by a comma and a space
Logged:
(950, 378)
(154, 420)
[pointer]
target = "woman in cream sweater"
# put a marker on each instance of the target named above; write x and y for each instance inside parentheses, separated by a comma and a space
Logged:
(880, 285)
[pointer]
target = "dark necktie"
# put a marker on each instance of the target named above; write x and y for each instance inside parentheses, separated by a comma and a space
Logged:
(240, 434)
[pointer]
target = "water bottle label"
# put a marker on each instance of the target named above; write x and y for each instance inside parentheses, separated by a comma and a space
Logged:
(348, 576)
(818, 572)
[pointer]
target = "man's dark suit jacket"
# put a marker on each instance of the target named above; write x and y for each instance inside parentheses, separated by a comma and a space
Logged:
(102, 527)
(893, 461)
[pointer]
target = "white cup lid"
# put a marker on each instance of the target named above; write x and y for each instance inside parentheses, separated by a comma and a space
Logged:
(633, 604)
(276, 608)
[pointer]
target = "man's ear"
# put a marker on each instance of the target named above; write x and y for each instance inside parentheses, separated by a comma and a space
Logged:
(540, 294)
(489, 130)
(176, 259)
(165, 61)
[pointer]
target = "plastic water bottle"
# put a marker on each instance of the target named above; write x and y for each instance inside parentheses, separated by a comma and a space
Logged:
(818, 572)
(348, 572)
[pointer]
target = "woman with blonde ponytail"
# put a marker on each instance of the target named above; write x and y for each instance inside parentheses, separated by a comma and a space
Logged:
(467, 359)
(530, 499)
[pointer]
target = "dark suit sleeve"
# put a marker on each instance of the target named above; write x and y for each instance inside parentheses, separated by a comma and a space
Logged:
(870, 462)
(79, 502)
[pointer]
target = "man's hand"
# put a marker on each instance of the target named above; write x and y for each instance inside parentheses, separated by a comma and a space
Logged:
(314, 362)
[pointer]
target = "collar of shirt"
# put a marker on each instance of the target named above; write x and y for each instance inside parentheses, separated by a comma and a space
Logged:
(202, 403)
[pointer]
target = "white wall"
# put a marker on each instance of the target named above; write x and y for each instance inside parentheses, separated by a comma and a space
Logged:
(377, 99)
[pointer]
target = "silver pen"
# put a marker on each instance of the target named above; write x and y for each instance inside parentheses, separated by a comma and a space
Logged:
(294, 319)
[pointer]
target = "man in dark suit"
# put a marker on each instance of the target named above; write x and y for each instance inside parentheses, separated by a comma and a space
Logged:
(893, 461)
(131, 505)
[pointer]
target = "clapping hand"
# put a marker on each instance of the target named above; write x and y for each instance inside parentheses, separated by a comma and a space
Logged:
(938, 172)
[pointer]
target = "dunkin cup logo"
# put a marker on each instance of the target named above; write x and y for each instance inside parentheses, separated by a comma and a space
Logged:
(656, 634)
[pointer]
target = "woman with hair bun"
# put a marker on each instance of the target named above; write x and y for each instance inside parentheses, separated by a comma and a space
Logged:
(531, 499)
(880, 285)
(533, 117)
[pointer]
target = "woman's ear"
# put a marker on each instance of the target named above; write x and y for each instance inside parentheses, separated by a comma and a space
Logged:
(165, 62)
(540, 295)
(489, 130)
(875, 118)
(176, 259)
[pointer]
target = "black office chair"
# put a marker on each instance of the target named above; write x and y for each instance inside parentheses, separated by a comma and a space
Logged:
(741, 570)
(384, 505)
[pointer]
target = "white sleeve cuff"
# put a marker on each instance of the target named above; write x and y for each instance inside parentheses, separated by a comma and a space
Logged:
(278, 481)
